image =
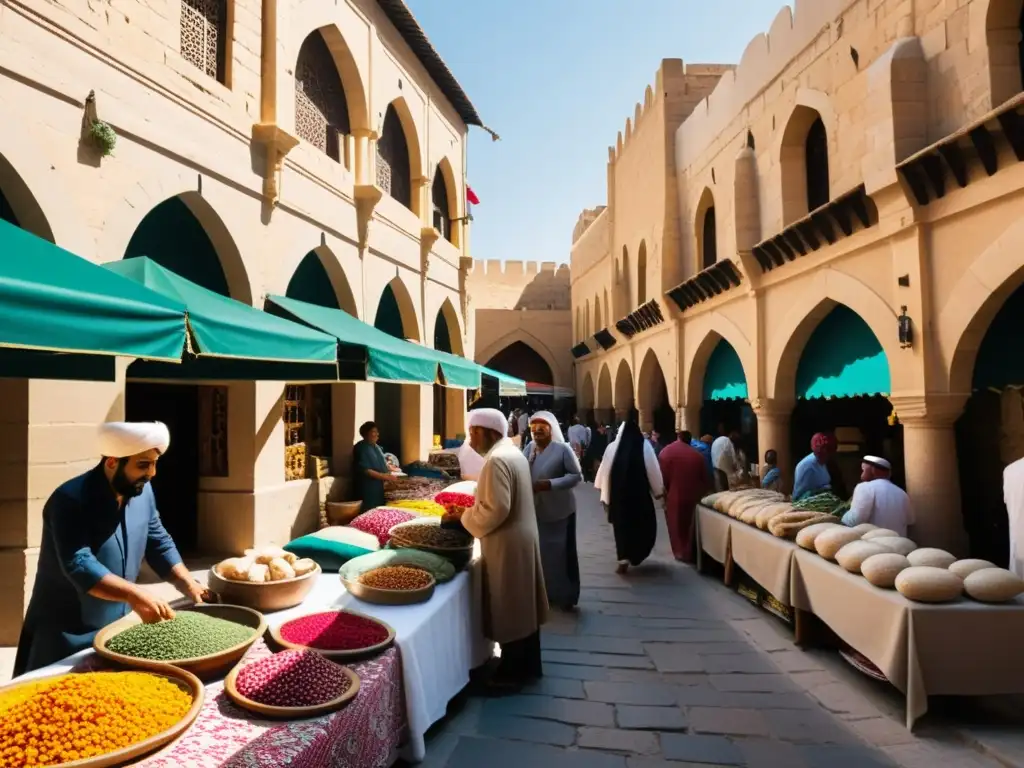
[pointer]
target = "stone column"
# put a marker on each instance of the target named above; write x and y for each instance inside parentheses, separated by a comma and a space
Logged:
(932, 472)
(773, 420)
(646, 420)
(688, 418)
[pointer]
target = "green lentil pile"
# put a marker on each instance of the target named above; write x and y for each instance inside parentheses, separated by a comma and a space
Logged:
(189, 635)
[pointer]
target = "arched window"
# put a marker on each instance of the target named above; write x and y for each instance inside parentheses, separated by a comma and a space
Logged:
(641, 275)
(205, 36)
(709, 239)
(750, 140)
(816, 163)
(321, 111)
(442, 213)
(597, 314)
(394, 172)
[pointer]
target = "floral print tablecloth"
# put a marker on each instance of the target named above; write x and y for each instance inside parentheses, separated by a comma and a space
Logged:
(365, 734)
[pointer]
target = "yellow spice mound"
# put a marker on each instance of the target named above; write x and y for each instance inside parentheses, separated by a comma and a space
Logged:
(78, 716)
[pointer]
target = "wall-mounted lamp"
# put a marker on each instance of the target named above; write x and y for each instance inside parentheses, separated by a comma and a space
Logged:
(467, 217)
(906, 329)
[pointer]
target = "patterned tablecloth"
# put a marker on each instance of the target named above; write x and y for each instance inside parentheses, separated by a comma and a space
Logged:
(365, 734)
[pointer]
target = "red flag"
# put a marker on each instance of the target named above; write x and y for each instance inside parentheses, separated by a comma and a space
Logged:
(471, 196)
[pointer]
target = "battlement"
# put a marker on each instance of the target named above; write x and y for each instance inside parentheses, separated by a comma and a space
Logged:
(765, 58)
(673, 78)
(506, 269)
(587, 217)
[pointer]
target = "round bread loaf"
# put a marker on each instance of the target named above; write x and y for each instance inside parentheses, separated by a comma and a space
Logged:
(828, 543)
(806, 537)
(882, 570)
(865, 528)
(964, 568)
(878, 533)
(895, 544)
(937, 558)
(925, 584)
(993, 585)
(853, 555)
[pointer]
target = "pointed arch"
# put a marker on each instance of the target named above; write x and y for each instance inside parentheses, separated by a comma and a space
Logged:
(406, 324)
(586, 319)
(706, 229)
(18, 206)
(641, 274)
(524, 361)
(321, 105)
(598, 325)
(399, 158)
(803, 155)
(625, 398)
(605, 393)
(652, 388)
(444, 201)
(453, 326)
(623, 280)
(535, 344)
(320, 16)
(719, 329)
(320, 279)
(578, 329)
(1004, 25)
(586, 398)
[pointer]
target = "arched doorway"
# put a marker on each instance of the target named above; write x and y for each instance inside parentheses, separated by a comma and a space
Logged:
(396, 407)
(842, 386)
(625, 399)
(521, 360)
(449, 402)
(725, 407)
(990, 433)
(586, 400)
(605, 395)
(18, 206)
(656, 411)
(197, 415)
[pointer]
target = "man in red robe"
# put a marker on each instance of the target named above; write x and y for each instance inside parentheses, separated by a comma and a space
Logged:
(686, 481)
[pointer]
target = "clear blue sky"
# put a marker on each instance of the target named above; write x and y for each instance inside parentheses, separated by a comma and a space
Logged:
(556, 79)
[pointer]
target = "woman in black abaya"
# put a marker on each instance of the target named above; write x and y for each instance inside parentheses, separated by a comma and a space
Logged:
(631, 483)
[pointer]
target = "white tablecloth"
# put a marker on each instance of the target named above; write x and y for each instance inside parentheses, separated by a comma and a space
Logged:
(440, 641)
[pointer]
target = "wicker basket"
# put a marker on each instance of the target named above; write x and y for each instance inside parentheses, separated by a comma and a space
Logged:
(343, 512)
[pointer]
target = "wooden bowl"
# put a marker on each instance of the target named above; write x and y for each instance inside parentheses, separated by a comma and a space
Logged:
(457, 556)
(288, 713)
(180, 677)
(380, 596)
(275, 633)
(343, 512)
(208, 667)
(267, 596)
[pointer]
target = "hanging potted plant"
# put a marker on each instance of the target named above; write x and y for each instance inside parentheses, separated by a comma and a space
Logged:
(104, 136)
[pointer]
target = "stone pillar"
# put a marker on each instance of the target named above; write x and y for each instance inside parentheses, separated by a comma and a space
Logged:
(932, 472)
(688, 418)
(351, 407)
(646, 420)
(773, 420)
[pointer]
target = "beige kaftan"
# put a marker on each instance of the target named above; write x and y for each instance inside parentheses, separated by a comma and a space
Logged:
(503, 518)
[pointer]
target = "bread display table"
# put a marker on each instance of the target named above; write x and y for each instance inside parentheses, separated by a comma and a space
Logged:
(767, 559)
(962, 648)
(403, 691)
(712, 535)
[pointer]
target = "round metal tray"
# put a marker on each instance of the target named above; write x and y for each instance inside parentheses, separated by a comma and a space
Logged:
(288, 713)
(380, 596)
(357, 653)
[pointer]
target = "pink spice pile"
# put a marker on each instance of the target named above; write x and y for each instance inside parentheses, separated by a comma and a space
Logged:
(292, 679)
(380, 521)
(334, 631)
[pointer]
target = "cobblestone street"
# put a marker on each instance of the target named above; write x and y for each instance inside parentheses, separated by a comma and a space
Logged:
(663, 668)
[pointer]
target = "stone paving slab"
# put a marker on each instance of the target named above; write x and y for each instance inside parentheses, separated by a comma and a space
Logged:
(662, 668)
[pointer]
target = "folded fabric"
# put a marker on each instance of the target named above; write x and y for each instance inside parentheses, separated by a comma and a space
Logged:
(332, 547)
(435, 565)
(380, 521)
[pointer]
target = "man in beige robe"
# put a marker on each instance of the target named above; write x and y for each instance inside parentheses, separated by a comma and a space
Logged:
(503, 518)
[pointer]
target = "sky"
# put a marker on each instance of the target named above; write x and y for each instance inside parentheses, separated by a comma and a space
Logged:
(556, 79)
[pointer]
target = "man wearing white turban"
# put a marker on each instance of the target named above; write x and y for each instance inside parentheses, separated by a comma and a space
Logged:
(97, 528)
(503, 518)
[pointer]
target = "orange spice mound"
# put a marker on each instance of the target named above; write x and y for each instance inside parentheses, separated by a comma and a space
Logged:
(78, 716)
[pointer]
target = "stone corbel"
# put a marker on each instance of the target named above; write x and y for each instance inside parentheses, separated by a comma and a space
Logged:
(771, 408)
(934, 410)
(367, 196)
(428, 236)
(276, 144)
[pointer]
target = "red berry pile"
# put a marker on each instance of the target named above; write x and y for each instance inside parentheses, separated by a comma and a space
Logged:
(448, 499)
(292, 679)
(380, 521)
(334, 631)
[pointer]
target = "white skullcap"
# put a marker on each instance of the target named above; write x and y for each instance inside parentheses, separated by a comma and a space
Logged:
(119, 439)
(877, 461)
(489, 418)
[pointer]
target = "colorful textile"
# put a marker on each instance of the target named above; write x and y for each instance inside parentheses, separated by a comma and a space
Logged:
(380, 521)
(334, 546)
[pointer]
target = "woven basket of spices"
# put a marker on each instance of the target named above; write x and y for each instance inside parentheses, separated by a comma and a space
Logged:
(63, 709)
(428, 535)
(392, 585)
(337, 634)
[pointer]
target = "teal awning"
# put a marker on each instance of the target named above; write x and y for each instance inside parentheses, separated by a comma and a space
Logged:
(997, 366)
(508, 386)
(458, 371)
(225, 328)
(842, 359)
(54, 301)
(723, 377)
(364, 352)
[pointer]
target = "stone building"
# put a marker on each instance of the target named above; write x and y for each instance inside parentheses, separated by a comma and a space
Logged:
(305, 148)
(521, 319)
(826, 236)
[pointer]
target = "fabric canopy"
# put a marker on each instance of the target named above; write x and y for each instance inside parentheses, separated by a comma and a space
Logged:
(55, 301)
(458, 371)
(225, 328)
(508, 386)
(381, 356)
(842, 359)
(724, 378)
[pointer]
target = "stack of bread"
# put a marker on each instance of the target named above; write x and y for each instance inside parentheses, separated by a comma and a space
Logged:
(264, 564)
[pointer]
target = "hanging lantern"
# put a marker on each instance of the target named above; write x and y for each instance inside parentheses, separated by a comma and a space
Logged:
(906, 329)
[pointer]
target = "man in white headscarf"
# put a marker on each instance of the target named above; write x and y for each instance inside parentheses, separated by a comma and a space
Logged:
(503, 518)
(97, 529)
(879, 501)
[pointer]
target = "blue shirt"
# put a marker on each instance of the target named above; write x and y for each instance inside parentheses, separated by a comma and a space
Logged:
(811, 476)
(85, 537)
(705, 450)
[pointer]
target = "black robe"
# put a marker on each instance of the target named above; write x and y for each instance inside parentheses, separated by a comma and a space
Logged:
(631, 511)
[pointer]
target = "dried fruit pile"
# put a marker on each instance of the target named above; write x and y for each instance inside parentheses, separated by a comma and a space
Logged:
(189, 635)
(79, 716)
(426, 535)
(397, 577)
(334, 631)
(292, 679)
